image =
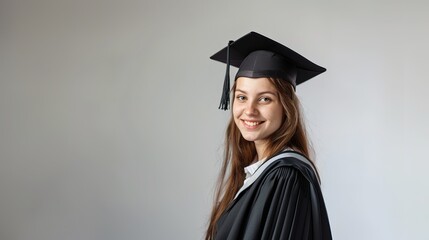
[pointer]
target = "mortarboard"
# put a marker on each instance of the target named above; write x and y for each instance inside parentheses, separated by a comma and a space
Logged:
(258, 56)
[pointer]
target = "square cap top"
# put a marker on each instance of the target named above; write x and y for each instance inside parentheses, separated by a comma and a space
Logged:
(258, 56)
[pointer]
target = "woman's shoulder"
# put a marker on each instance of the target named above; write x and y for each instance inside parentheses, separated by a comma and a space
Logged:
(291, 164)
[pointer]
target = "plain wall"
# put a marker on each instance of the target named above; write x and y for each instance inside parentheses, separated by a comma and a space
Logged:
(109, 127)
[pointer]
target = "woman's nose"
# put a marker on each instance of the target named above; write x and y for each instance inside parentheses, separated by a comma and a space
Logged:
(251, 108)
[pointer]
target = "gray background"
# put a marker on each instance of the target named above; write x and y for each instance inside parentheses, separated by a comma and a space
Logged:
(109, 127)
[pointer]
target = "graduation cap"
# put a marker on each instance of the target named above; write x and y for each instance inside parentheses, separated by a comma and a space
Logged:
(258, 56)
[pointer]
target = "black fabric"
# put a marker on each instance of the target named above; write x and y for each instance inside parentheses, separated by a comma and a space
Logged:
(242, 48)
(285, 202)
(264, 63)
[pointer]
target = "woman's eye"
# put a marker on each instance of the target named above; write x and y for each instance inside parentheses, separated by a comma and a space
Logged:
(265, 99)
(241, 98)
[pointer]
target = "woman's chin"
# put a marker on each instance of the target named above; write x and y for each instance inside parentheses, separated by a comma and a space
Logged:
(251, 138)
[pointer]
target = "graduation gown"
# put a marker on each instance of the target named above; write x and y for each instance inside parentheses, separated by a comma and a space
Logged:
(281, 200)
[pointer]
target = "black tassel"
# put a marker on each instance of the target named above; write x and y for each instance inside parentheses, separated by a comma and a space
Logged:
(224, 101)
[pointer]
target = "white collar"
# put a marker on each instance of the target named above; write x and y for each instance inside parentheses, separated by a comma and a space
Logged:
(251, 169)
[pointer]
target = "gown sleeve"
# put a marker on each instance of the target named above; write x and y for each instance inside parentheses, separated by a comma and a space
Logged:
(287, 206)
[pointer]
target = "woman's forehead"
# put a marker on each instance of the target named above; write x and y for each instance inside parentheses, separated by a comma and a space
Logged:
(254, 85)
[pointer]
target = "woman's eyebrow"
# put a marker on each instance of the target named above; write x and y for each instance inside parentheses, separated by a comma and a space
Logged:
(260, 93)
(267, 92)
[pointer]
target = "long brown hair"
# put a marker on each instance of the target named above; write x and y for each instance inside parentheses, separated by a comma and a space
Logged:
(240, 153)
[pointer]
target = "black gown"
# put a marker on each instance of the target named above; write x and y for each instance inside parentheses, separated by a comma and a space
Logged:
(284, 202)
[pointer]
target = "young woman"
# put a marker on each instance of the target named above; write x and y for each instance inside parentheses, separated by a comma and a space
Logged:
(268, 188)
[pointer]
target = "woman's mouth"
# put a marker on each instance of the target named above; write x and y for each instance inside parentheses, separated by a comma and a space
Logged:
(251, 124)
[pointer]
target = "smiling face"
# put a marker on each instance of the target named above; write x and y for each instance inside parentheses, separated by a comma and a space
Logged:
(257, 110)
